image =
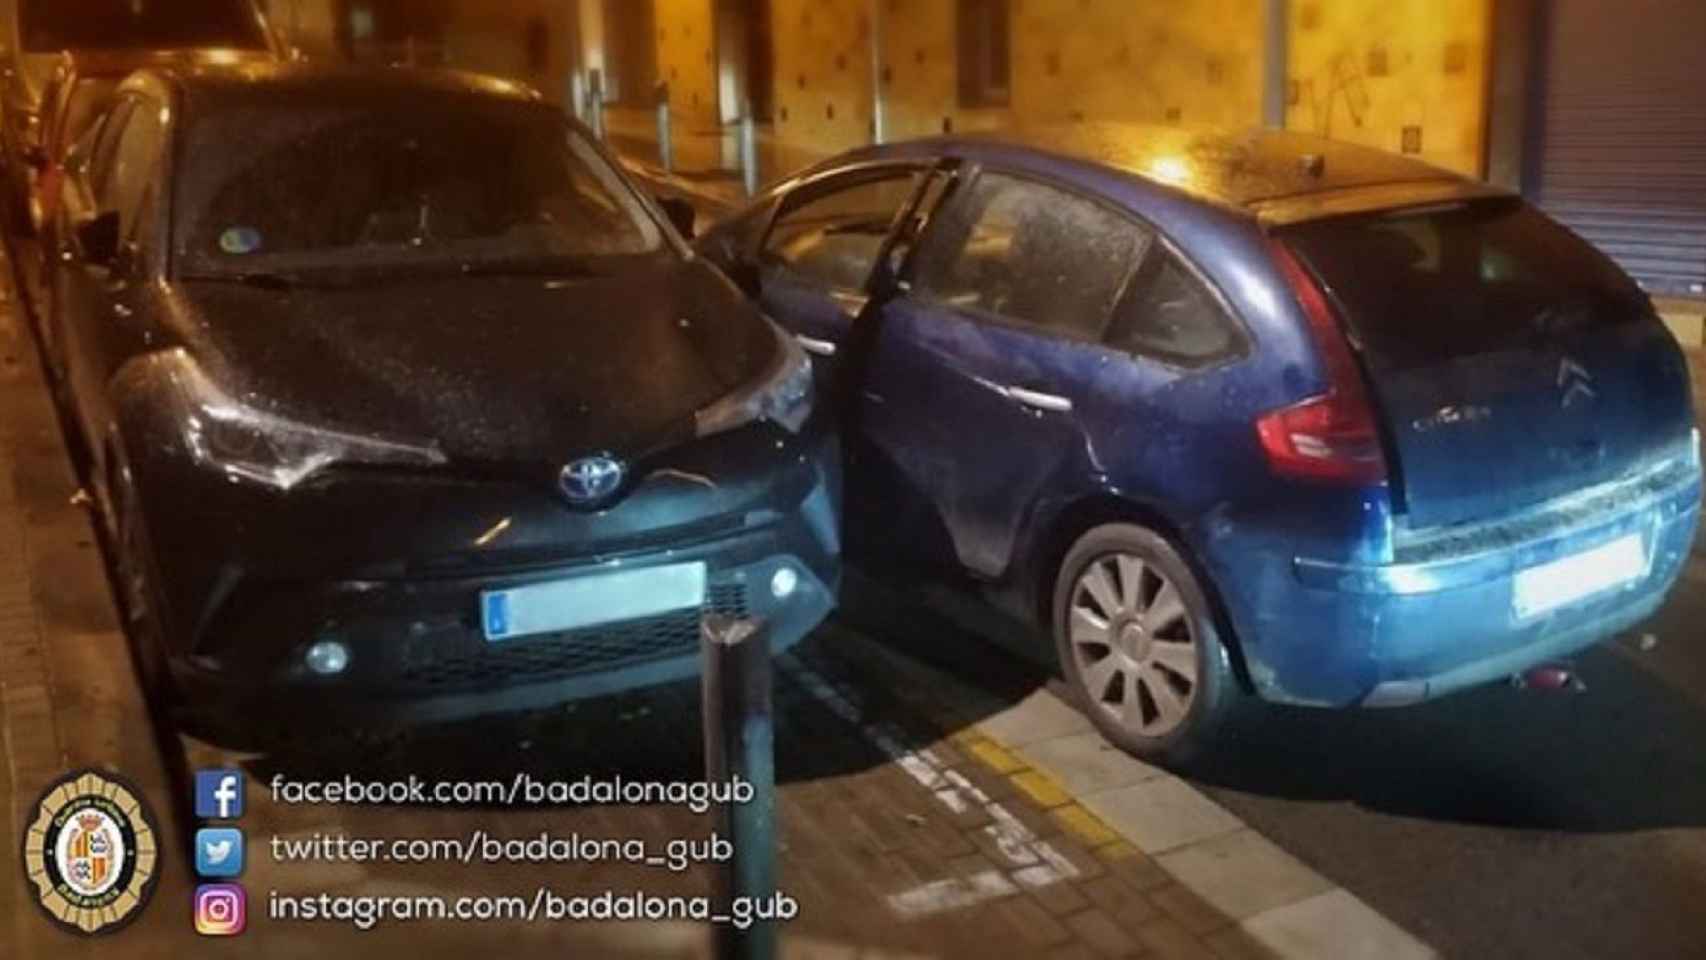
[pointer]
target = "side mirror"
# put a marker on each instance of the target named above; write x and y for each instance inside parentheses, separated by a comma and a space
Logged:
(680, 213)
(98, 239)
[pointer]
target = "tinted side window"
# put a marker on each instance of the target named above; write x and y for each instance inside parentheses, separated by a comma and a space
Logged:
(1035, 254)
(1169, 314)
(832, 239)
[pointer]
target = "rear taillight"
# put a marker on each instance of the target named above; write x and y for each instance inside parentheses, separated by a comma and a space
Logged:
(1332, 436)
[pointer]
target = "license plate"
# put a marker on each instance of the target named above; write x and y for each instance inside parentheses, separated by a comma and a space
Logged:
(591, 600)
(1576, 577)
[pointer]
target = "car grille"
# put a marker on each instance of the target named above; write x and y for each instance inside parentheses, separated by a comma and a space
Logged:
(467, 662)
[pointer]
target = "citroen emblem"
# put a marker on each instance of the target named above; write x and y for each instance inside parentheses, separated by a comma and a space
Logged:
(1576, 383)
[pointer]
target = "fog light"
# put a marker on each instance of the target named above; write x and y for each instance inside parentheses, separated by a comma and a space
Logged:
(783, 583)
(327, 658)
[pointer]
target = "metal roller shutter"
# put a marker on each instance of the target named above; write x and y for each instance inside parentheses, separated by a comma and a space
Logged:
(1621, 151)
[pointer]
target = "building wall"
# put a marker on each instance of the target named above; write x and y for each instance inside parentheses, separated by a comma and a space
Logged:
(687, 60)
(823, 73)
(1196, 61)
(1402, 75)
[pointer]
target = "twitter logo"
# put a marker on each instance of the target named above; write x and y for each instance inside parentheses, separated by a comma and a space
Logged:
(219, 852)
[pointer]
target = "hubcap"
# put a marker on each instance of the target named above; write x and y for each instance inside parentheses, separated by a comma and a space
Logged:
(1134, 644)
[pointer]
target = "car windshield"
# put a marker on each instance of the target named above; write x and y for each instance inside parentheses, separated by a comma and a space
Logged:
(48, 26)
(389, 185)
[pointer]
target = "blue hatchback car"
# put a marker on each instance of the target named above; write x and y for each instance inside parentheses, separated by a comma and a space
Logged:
(1237, 414)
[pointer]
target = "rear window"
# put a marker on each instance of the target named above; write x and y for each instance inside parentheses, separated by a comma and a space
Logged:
(1421, 287)
(48, 26)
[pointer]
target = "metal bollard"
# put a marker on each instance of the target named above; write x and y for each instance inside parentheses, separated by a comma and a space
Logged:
(666, 145)
(595, 103)
(739, 741)
(749, 150)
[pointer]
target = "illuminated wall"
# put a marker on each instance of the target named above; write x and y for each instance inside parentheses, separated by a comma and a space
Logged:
(1402, 75)
(687, 59)
(1196, 61)
(823, 73)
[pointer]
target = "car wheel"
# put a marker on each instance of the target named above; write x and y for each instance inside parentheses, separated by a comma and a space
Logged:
(138, 593)
(1138, 644)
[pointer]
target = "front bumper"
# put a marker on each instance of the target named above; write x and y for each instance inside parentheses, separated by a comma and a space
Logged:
(255, 588)
(1335, 634)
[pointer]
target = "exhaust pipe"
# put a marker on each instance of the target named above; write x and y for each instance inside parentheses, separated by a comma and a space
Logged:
(1549, 678)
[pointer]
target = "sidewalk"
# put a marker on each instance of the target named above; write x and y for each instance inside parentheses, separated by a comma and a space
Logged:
(707, 162)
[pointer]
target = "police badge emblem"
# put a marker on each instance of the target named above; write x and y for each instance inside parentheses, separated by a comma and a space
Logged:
(91, 853)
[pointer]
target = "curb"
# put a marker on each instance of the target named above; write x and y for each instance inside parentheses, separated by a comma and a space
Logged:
(1275, 899)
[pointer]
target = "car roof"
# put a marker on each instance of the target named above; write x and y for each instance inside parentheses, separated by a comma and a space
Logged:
(210, 85)
(1282, 176)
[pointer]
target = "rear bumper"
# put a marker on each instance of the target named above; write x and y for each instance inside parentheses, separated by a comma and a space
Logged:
(1330, 634)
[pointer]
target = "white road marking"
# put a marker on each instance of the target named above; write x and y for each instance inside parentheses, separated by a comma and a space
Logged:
(1034, 862)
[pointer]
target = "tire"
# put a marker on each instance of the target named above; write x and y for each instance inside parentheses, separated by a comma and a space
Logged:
(139, 596)
(1139, 646)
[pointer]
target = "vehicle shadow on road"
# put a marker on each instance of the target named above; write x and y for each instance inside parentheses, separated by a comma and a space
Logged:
(1628, 754)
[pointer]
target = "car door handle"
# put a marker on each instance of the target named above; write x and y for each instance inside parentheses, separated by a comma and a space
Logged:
(823, 348)
(1039, 401)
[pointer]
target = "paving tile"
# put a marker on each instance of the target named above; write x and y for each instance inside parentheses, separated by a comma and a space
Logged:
(1167, 940)
(1086, 763)
(995, 757)
(1161, 814)
(1334, 924)
(1040, 788)
(1103, 935)
(1040, 716)
(1243, 873)
(1060, 899)
(1236, 943)
(1191, 911)
(1083, 826)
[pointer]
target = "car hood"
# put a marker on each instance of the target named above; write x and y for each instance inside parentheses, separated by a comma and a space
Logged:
(495, 369)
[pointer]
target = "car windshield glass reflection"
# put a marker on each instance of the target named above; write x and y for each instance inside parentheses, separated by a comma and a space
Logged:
(341, 188)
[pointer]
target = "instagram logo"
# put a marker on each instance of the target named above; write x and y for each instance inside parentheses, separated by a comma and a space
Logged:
(221, 910)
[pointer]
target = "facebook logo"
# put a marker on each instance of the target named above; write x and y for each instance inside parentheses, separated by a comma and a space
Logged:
(219, 794)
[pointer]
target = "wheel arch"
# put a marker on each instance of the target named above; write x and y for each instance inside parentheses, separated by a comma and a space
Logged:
(1069, 524)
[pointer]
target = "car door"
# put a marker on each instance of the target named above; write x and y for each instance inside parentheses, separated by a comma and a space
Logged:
(816, 258)
(103, 299)
(984, 358)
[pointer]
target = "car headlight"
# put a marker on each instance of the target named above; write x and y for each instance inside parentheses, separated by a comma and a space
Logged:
(783, 395)
(244, 443)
